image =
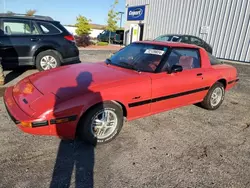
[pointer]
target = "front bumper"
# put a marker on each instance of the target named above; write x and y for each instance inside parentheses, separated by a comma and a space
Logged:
(39, 126)
(18, 116)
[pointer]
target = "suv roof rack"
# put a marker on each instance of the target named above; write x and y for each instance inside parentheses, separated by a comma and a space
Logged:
(15, 15)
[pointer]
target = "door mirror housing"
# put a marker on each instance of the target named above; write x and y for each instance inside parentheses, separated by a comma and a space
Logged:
(176, 68)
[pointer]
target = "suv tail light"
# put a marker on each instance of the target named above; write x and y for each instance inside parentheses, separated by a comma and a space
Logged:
(70, 38)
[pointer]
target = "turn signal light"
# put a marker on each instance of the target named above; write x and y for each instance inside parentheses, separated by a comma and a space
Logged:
(64, 120)
(26, 124)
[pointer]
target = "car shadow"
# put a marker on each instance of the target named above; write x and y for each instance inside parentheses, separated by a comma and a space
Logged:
(14, 74)
(75, 159)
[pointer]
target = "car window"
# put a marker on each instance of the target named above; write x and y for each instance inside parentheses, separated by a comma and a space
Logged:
(163, 38)
(196, 41)
(185, 39)
(187, 58)
(16, 27)
(175, 39)
(214, 60)
(48, 28)
(139, 56)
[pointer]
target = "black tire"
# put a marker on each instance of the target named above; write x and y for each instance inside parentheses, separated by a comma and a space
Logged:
(84, 127)
(52, 53)
(206, 103)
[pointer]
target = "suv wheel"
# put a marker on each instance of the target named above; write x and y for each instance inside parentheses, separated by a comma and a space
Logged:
(48, 59)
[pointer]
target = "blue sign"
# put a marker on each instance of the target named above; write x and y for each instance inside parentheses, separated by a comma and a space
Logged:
(136, 13)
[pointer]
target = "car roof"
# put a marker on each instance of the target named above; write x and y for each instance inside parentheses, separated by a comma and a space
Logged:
(179, 35)
(169, 44)
(23, 16)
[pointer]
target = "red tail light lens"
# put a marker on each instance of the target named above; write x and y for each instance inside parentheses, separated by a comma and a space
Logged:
(70, 38)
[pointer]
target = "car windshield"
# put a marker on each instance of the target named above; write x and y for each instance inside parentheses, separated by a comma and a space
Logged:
(139, 56)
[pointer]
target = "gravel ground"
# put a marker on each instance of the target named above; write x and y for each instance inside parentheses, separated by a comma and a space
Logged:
(185, 147)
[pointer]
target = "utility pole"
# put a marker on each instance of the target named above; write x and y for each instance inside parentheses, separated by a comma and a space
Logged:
(121, 19)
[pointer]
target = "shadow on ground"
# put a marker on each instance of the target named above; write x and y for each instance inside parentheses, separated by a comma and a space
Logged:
(15, 74)
(74, 158)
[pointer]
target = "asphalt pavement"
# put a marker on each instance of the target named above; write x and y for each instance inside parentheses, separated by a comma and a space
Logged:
(185, 147)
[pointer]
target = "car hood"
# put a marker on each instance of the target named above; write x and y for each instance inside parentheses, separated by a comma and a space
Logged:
(68, 81)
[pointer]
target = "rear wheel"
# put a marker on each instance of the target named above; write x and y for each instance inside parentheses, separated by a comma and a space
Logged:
(48, 59)
(101, 124)
(214, 97)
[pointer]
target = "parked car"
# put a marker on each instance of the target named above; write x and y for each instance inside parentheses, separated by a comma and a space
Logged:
(189, 39)
(35, 41)
(115, 37)
(142, 79)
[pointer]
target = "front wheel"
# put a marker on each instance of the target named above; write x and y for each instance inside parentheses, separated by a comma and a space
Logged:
(214, 97)
(101, 124)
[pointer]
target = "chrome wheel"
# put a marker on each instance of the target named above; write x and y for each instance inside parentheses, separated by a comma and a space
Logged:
(104, 124)
(216, 96)
(48, 62)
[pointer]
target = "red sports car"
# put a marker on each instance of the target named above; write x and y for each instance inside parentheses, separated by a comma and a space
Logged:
(90, 100)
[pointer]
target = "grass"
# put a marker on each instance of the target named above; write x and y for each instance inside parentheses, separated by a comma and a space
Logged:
(102, 43)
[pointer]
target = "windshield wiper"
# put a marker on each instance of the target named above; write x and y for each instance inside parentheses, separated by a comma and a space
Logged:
(130, 66)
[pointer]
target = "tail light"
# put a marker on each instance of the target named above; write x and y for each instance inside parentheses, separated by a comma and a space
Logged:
(70, 38)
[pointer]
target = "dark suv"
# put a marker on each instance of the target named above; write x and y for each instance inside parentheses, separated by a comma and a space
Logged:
(189, 39)
(35, 40)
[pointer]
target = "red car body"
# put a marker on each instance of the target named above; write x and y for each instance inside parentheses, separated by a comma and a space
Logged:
(47, 99)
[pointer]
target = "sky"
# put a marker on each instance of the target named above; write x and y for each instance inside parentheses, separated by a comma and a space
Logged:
(65, 11)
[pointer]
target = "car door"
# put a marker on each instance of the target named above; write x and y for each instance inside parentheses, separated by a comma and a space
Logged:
(171, 90)
(16, 42)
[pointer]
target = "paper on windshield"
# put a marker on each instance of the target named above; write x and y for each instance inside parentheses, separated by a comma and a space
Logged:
(154, 52)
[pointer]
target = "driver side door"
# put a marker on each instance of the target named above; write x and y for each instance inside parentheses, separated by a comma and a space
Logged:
(179, 88)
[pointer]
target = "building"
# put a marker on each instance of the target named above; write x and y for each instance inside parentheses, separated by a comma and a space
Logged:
(96, 29)
(224, 24)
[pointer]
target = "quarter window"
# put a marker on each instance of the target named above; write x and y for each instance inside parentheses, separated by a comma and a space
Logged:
(47, 28)
(187, 58)
(16, 27)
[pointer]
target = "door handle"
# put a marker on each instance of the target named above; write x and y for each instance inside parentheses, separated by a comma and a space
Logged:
(137, 97)
(199, 74)
(34, 39)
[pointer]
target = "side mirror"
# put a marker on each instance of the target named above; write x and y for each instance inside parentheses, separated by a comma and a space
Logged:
(176, 68)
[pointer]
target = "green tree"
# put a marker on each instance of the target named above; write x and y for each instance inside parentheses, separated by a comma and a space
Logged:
(112, 19)
(10, 13)
(83, 26)
(30, 12)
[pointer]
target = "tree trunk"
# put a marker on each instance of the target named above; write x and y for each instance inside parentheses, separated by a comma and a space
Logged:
(109, 36)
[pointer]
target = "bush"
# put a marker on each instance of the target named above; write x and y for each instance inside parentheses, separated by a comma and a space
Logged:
(83, 40)
(102, 43)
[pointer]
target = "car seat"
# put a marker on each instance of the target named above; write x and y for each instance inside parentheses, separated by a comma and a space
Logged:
(187, 62)
(7, 30)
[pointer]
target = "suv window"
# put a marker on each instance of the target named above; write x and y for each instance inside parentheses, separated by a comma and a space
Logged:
(48, 28)
(187, 58)
(196, 41)
(16, 27)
